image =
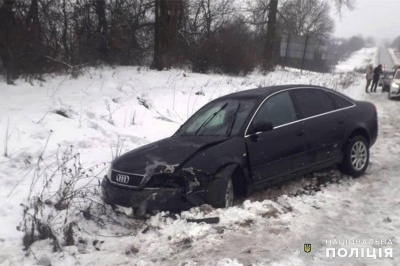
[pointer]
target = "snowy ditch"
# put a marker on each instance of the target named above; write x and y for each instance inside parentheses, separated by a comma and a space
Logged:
(61, 135)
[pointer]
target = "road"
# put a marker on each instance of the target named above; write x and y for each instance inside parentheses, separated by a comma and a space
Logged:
(385, 58)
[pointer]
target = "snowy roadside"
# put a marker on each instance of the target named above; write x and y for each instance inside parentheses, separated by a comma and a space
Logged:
(395, 56)
(115, 110)
(358, 60)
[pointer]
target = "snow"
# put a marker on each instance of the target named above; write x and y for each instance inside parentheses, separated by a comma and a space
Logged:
(395, 56)
(358, 60)
(114, 110)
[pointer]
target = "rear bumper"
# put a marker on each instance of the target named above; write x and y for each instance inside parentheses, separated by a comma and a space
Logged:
(148, 199)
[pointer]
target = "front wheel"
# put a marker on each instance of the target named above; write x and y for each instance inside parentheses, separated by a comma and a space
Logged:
(356, 157)
(385, 88)
(221, 193)
(389, 95)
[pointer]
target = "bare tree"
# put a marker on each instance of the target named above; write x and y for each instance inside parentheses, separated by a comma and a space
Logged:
(168, 18)
(202, 21)
(342, 4)
(307, 18)
(67, 52)
(102, 29)
(256, 13)
(47, 35)
(268, 61)
(262, 14)
(7, 37)
(205, 17)
(131, 33)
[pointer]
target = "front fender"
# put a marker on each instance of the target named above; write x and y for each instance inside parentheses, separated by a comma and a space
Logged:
(215, 158)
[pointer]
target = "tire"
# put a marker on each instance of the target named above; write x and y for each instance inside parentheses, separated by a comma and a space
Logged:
(356, 157)
(389, 95)
(221, 192)
(385, 88)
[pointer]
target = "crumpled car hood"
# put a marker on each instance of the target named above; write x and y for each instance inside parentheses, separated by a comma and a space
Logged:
(166, 155)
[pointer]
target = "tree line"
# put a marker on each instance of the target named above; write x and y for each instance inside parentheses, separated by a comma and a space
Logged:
(230, 36)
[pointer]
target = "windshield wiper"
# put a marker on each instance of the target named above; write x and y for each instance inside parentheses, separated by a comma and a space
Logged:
(229, 131)
(210, 118)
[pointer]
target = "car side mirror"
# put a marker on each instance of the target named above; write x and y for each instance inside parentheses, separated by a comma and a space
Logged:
(261, 127)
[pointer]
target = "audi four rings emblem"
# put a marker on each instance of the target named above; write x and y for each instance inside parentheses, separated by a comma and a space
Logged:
(122, 178)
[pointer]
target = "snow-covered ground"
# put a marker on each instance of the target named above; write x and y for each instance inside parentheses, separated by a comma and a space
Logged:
(395, 56)
(359, 59)
(112, 110)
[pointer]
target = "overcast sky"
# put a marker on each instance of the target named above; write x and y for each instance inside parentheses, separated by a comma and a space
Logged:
(377, 18)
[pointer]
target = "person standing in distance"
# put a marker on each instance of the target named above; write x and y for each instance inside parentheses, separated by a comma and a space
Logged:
(369, 75)
(377, 74)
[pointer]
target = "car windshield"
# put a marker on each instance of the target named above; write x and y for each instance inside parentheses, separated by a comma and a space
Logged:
(220, 118)
(397, 75)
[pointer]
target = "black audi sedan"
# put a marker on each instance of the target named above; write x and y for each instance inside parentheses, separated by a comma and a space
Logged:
(242, 142)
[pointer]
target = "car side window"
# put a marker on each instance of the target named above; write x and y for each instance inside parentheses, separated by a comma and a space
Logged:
(278, 110)
(339, 101)
(328, 102)
(313, 102)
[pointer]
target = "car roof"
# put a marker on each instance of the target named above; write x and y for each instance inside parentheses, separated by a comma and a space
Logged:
(266, 91)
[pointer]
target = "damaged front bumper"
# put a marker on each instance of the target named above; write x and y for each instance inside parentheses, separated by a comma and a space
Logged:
(150, 199)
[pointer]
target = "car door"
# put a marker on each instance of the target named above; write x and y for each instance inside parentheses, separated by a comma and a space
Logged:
(279, 151)
(323, 124)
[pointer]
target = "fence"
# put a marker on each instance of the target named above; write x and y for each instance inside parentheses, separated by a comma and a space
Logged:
(305, 53)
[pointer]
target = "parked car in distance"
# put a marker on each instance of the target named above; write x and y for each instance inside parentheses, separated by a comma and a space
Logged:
(243, 142)
(394, 91)
(385, 80)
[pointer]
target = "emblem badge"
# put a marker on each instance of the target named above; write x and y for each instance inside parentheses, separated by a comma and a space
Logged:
(120, 178)
(307, 248)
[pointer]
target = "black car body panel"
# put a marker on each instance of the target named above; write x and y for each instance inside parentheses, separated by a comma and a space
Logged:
(175, 173)
(368, 122)
(178, 150)
(145, 199)
(270, 158)
(149, 172)
(211, 160)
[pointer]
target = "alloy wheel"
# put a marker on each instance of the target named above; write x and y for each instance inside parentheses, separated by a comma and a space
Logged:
(359, 155)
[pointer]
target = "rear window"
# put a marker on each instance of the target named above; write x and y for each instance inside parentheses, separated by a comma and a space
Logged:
(313, 102)
(339, 101)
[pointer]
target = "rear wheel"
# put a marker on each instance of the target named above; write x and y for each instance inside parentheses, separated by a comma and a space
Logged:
(356, 157)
